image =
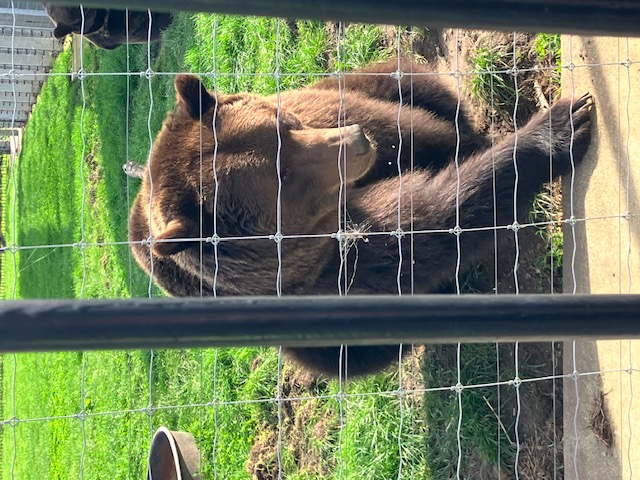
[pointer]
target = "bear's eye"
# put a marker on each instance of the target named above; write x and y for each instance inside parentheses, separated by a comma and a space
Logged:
(284, 174)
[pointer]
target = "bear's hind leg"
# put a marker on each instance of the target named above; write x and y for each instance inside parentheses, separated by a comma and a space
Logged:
(419, 86)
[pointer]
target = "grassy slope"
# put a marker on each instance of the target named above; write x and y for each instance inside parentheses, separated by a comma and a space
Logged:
(64, 196)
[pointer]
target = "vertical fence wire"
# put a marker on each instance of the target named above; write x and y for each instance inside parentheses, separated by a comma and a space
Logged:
(399, 74)
(575, 374)
(627, 216)
(214, 167)
(149, 74)
(458, 389)
(278, 240)
(515, 228)
(399, 233)
(82, 244)
(344, 242)
(516, 384)
(457, 231)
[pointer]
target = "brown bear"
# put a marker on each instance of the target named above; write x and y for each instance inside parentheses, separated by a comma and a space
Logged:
(267, 220)
(107, 28)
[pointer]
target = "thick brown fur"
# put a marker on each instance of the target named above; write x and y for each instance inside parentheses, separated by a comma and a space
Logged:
(179, 201)
(107, 28)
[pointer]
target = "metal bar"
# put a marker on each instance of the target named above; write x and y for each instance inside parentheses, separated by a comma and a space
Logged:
(567, 16)
(48, 325)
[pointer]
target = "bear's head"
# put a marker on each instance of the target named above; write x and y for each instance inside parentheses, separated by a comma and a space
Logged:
(70, 19)
(249, 166)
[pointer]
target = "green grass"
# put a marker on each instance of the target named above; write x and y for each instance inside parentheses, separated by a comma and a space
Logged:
(91, 415)
(547, 47)
(547, 209)
(492, 82)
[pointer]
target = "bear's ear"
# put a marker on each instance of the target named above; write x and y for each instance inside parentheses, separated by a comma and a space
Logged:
(62, 31)
(290, 120)
(175, 229)
(192, 95)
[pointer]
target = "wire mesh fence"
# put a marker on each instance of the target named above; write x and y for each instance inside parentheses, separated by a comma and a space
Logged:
(496, 410)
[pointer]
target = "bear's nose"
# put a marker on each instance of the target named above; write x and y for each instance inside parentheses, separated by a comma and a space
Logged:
(356, 140)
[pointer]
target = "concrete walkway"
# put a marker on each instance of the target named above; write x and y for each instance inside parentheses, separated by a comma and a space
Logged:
(603, 408)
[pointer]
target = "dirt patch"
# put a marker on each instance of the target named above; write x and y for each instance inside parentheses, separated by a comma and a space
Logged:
(306, 423)
(263, 461)
(93, 173)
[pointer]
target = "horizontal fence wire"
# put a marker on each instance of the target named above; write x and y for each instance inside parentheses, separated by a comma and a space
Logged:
(567, 16)
(52, 325)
